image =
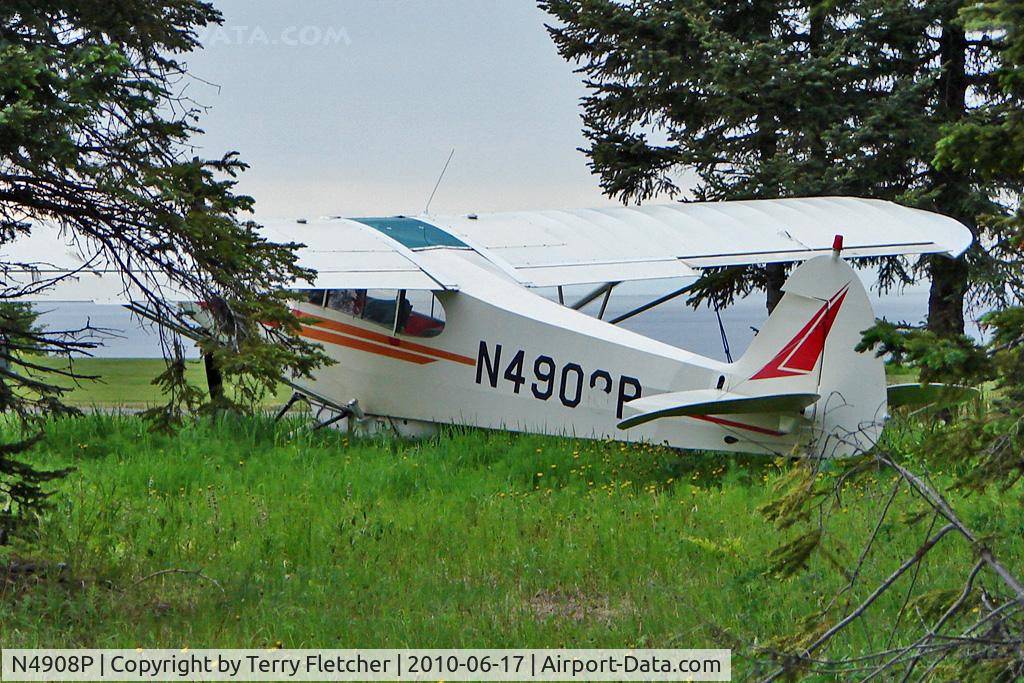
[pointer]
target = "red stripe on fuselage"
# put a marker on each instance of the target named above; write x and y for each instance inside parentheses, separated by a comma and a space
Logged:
(370, 335)
(738, 425)
(359, 344)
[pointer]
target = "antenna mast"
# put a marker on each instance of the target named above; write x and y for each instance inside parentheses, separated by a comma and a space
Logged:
(426, 209)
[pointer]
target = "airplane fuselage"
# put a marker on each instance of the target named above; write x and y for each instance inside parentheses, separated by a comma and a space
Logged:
(510, 359)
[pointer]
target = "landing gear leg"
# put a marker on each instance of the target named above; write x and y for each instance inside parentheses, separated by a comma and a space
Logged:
(340, 416)
(350, 409)
(296, 396)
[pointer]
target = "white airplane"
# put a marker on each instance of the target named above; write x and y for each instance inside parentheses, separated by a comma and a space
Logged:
(437, 320)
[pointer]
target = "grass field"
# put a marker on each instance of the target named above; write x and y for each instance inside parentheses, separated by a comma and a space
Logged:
(473, 539)
(126, 382)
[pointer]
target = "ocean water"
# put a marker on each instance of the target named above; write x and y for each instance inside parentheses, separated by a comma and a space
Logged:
(124, 336)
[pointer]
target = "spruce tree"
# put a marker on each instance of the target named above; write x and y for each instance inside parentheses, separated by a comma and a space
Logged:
(977, 635)
(770, 98)
(95, 131)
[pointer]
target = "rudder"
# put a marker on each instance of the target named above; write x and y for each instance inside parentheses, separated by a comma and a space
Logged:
(807, 345)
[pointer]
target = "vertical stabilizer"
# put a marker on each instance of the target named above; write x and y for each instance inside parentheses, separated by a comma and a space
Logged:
(807, 346)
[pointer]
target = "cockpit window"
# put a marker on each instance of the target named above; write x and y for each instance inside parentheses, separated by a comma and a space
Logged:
(313, 296)
(413, 233)
(410, 313)
(425, 317)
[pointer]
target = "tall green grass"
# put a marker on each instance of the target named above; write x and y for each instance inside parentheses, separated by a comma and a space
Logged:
(473, 539)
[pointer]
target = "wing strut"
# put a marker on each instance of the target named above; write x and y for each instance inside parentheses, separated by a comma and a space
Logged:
(604, 302)
(593, 294)
(725, 337)
(648, 306)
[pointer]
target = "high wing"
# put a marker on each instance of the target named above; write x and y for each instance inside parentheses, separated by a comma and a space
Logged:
(617, 244)
(364, 253)
(545, 248)
(51, 264)
(533, 248)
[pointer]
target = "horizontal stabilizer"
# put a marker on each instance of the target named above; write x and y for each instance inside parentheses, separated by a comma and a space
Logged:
(712, 402)
(903, 395)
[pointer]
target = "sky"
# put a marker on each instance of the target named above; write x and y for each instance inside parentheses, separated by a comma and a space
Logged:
(352, 107)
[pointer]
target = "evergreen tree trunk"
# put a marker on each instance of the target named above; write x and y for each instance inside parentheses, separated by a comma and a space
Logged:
(214, 378)
(950, 277)
(775, 277)
(946, 298)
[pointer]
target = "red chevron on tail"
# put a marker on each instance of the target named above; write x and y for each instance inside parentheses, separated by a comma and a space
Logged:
(800, 355)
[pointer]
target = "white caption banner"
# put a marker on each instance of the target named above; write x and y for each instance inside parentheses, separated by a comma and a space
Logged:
(366, 665)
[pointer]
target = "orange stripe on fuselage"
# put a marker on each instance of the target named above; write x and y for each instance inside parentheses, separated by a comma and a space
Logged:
(323, 335)
(385, 339)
